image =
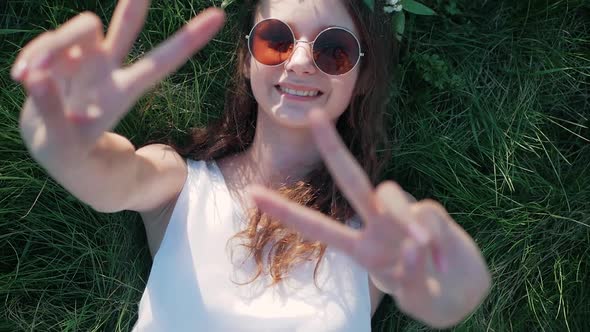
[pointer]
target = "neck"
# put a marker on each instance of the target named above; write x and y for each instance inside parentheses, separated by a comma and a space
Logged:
(278, 155)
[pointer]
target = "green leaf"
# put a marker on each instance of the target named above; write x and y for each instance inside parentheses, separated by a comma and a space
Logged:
(417, 8)
(370, 4)
(399, 24)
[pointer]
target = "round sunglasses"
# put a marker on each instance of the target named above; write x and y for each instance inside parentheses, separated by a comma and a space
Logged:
(336, 51)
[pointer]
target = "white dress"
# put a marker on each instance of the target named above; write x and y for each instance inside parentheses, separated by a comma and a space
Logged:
(191, 284)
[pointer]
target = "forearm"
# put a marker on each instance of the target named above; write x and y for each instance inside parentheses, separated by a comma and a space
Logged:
(100, 177)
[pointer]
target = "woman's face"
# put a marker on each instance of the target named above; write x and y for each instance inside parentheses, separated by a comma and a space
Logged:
(306, 18)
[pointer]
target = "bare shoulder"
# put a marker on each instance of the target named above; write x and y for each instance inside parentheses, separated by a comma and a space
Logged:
(160, 173)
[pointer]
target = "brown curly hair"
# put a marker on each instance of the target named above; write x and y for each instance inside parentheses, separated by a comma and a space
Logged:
(361, 126)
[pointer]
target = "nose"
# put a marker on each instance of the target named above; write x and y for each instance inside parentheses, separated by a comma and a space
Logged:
(301, 60)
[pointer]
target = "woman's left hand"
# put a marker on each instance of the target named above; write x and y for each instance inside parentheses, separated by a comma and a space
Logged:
(413, 251)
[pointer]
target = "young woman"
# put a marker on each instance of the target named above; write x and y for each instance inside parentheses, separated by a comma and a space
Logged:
(268, 220)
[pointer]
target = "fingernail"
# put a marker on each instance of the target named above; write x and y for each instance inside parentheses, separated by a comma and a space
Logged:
(18, 70)
(418, 233)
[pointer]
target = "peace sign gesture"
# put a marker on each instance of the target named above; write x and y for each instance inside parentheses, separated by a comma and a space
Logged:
(77, 85)
(413, 251)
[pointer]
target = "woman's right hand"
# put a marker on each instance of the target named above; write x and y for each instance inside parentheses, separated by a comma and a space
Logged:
(76, 86)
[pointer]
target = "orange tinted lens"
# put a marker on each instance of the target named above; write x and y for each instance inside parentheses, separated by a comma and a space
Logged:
(271, 42)
(336, 51)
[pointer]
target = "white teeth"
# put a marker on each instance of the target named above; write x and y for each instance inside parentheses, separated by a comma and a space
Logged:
(299, 93)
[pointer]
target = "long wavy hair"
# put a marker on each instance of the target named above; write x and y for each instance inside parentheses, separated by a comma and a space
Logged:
(361, 126)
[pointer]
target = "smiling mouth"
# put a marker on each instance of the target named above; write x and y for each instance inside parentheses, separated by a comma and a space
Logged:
(298, 93)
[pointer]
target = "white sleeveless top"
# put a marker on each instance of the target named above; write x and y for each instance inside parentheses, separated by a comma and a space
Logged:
(193, 283)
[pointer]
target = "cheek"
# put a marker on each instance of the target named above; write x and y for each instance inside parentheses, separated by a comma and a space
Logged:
(347, 84)
(342, 92)
(261, 79)
(348, 88)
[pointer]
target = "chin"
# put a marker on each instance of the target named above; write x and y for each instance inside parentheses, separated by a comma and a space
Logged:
(294, 118)
(289, 120)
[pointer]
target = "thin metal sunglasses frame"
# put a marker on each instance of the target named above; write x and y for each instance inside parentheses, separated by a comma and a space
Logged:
(311, 43)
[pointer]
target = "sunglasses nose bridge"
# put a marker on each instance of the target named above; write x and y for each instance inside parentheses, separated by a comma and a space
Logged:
(307, 50)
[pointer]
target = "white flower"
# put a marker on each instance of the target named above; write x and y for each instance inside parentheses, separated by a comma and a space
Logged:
(393, 8)
(392, 2)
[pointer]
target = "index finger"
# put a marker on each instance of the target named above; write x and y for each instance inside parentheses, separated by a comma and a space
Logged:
(346, 171)
(172, 53)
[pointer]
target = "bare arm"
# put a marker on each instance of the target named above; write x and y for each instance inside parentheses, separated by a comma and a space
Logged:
(78, 90)
(115, 177)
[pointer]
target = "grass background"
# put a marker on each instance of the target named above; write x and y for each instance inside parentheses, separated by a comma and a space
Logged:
(490, 116)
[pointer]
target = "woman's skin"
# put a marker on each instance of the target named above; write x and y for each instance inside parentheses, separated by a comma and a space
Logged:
(283, 149)
(413, 251)
(77, 89)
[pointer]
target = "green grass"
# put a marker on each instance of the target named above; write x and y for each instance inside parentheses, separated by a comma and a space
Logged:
(491, 117)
